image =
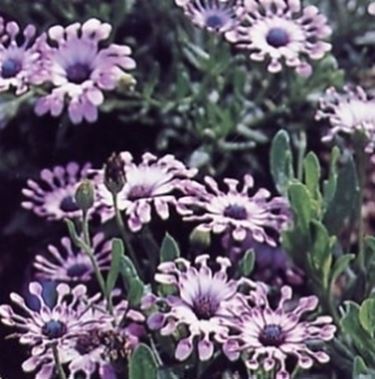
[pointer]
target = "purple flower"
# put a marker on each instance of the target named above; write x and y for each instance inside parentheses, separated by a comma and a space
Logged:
(282, 32)
(20, 62)
(214, 15)
(236, 211)
(268, 336)
(348, 112)
(152, 182)
(371, 8)
(53, 196)
(200, 305)
(69, 264)
(80, 69)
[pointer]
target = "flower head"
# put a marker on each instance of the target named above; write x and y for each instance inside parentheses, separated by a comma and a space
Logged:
(348, 112)
(200, 304)
(79, 69)
(236, 211)
(281, 31)
(152, 182)
(214, 15)
(20, 62)
(268, 336)
(53, 196)
(69, 264)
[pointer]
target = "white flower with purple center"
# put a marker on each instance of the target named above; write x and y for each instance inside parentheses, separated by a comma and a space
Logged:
(80, 69)
(213, 15)
(236, 211)
(70, 264)
(200, 304)
(20, 62)
(267, 336)
(153, 182)
(348, 112)
(52, 196)
(48, 326)
(282, 31)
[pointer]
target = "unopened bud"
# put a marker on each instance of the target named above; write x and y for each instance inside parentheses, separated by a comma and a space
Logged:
(126, 83)
(114, 173)
(200, 239)
(84, 196)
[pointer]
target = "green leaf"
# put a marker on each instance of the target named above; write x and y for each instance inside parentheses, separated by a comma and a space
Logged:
(134, 285)
(312, 174)
(341, 264)
(143, 364)
(281, 161)
(331, 184)
(367, 315)
(73, 233)
(169, 250)
(167, 373)
(117, 254)
(302, 205)
(247, 263)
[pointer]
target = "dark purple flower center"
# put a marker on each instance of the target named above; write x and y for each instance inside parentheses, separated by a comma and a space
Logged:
(139, 192)
(68, 204)
(77, 270)
(272, 335)
(10, 68)
(237, 212)
(215, 21)
(78, 73)
(87, 343)
(277, 37)
(205, 307)
(54, 329)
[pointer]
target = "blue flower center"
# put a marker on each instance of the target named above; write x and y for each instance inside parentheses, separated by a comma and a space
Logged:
(54, 329)
(215, 21)
(68, 204)
(237, 212)
(10, 68)
(77, 270)
(277, 37)
(78, 73)
(272, 335)
(205, 307)
(139, 192)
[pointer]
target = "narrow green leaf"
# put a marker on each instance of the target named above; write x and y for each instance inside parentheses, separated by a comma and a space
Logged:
(169, 250)
(330, 185)
(367, 315)
(134, 285)
(302, 205)
(341, 264)
(73, 233)
(312, 173)
(117, 254)
(247, 263)
(143, 364)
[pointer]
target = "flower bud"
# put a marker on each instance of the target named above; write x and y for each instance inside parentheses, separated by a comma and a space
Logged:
(200, 239)
(84, 196)
(114, 173)
(126, 83)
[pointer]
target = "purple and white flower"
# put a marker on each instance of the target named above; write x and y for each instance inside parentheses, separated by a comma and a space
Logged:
(53, 196)
(236, 211)
(69, 264)
(213, 15)
(201, 304)
(80, 69)
(371, 8)
(349, 112)
(153, 182)
(267, 336)
(20, 61)
(280, 32)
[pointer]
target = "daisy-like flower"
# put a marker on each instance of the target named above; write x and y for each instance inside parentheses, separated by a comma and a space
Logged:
(236, 211)
(213, 15)
(282, 31)
(200, 304)
(20, 61)
(80, 69)
(268, 336)
(53, 196)
(153, 182)
(371, 9)
(69, 264)
(349, 112)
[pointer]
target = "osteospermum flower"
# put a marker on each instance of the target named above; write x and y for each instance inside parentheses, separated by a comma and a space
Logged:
(53, 196)
(214, 15)
(279, 31)
(69, 264)
(268, 336)
(153, 182)
(200, 304)
(236, 211)
(20, 61)
(80, 69)
(349, 112)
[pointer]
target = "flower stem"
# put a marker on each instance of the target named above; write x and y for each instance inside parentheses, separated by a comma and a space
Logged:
(56, 357)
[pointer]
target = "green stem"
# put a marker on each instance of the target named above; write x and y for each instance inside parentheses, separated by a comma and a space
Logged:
(151, 247)
(56, 357)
